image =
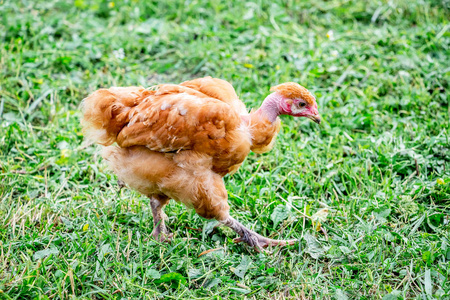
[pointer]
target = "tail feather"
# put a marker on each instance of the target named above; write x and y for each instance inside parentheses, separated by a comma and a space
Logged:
(107, 111)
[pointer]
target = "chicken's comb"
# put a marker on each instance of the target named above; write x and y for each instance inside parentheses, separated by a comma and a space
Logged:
(294, 90)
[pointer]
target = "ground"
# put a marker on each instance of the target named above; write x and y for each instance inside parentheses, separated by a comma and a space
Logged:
(379, 163)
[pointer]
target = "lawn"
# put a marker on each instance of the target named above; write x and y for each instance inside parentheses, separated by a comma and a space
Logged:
(366, 193)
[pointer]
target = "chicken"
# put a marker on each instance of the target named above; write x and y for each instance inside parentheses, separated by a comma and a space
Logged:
(179, 141)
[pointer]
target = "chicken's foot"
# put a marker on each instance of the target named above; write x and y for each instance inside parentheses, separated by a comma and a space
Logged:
(159, 232)
(252, 238)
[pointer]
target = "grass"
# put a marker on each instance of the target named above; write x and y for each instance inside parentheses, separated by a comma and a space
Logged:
(380, 161)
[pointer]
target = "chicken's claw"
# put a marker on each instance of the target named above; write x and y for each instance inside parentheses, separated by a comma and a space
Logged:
(161, 235)
(165, 238)
(252, 238)
(258, 241)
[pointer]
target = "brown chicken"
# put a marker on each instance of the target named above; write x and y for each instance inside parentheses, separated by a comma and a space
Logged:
(179, 141)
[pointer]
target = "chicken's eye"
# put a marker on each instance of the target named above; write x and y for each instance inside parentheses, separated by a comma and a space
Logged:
(302, 104)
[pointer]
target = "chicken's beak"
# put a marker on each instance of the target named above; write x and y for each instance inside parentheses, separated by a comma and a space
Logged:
(315, 118)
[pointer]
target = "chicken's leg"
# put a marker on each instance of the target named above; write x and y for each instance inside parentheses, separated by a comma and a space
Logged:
(251, 237)
(212, 203)
(159, 232)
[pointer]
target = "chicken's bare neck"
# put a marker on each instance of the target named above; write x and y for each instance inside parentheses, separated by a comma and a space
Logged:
(270, 108)
(264, 123)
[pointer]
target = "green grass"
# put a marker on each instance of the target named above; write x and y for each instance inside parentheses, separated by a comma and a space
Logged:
(380, 161)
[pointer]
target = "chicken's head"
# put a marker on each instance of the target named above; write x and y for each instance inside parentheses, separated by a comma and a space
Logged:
(295, 100)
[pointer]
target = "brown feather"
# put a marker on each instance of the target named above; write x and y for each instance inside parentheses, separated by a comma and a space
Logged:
(294, 90)
(218, 89)
(263, 132)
